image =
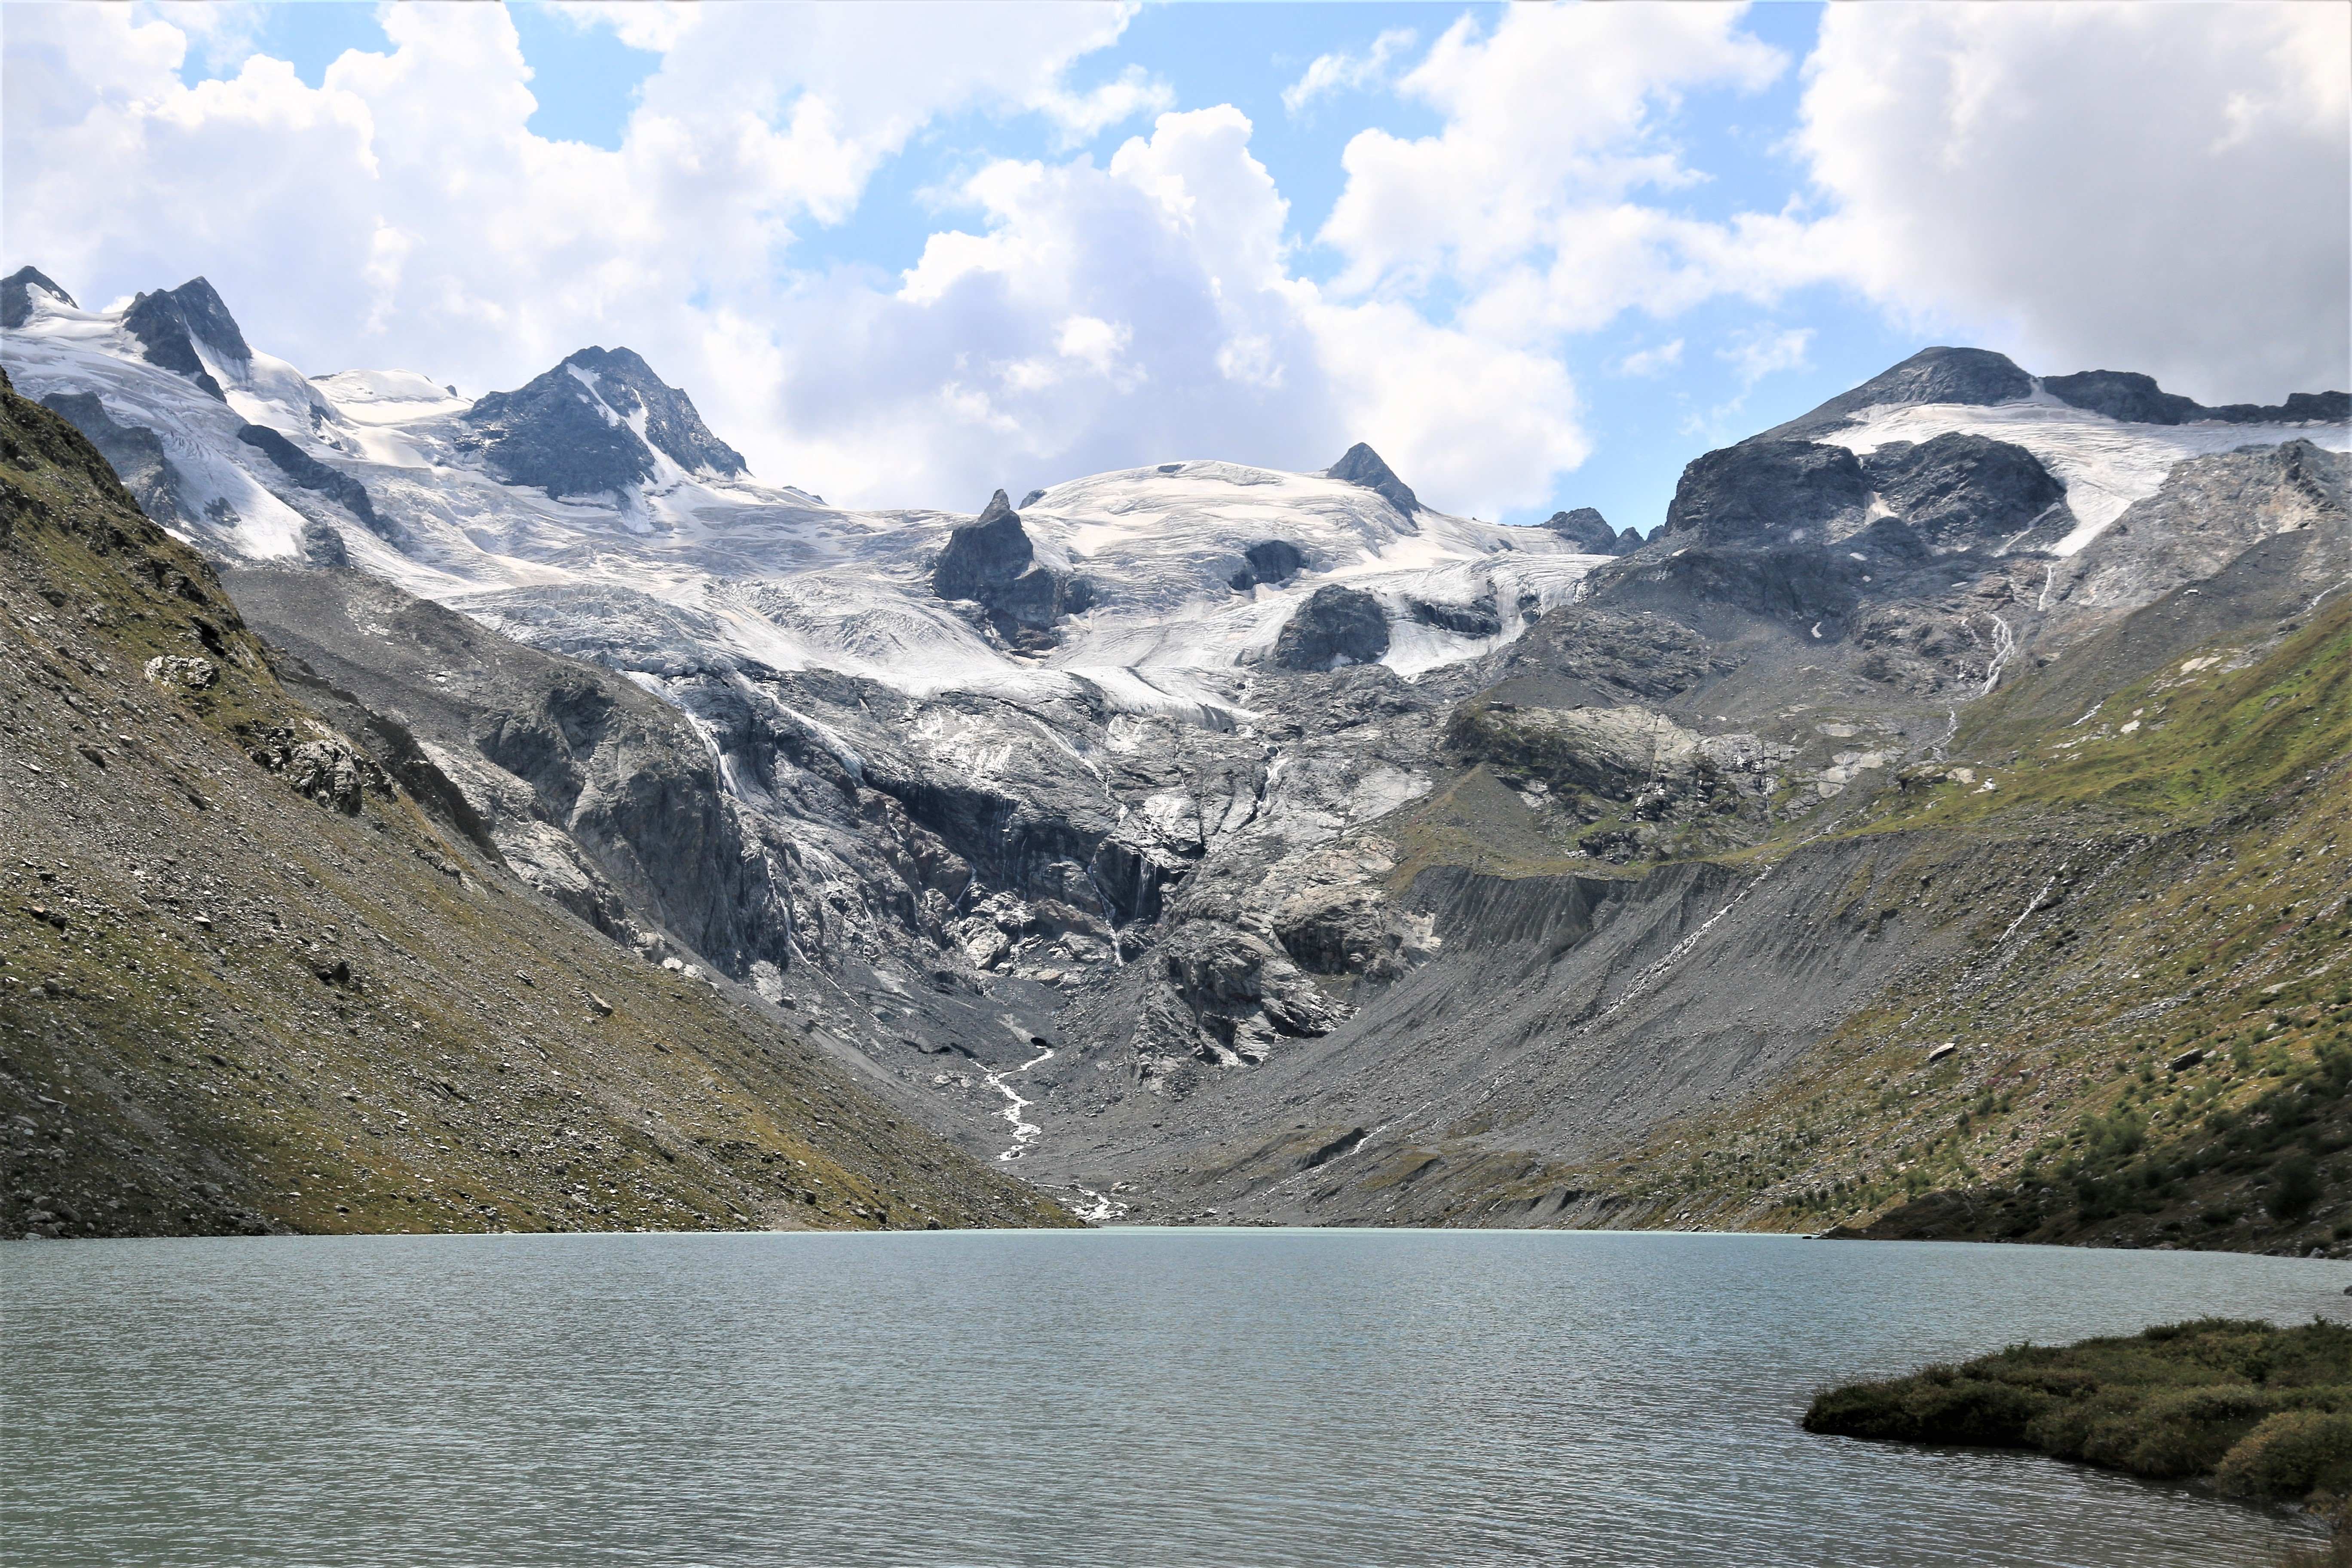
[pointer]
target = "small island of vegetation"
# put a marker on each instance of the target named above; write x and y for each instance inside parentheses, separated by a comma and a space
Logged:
(2254, 1411)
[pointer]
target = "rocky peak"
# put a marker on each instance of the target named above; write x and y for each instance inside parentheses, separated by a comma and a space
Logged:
(673, 427)
(570, 431)
(1362, 466)
(1977, 376)
(16, 295)
(1590, 531)
(1784, 489)
(991, 551)
(992, 562)
(171, 323)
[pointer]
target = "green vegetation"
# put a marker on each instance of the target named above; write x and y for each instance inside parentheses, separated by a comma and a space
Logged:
(2257, 1412)
(2151, 1005)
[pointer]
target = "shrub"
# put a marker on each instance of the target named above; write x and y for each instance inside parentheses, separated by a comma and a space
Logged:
(2291, 1455)
(2294, 1188)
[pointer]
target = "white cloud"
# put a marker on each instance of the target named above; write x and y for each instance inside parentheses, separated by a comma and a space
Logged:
(653, 26)
(1756, 353)
(1142, 311)
(1328, 75)
(403, 212)
(1652, 362)
(1551, 127)
(2161, 188)
(1083, 116)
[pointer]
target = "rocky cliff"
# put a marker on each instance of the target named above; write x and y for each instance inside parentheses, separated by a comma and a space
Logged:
(260, 970)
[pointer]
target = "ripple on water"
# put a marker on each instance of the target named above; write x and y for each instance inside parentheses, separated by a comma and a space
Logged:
(1123, 1397)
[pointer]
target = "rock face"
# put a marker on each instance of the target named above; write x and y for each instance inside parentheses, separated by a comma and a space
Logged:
(135, 452)
(1270, 561)
(1362, 466)
(222, 952)
(1335, 627)
(313, 475)
(2128, 396)
(170, 323)
(1780, 490)
(17, 293)
(992, 562)
(1959, 491)
(1591, 533)
(593, 424)
(1976, 376)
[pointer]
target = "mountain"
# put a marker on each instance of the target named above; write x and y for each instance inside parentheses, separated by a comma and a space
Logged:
(261, 971)
(599, 422)
(1205, 837)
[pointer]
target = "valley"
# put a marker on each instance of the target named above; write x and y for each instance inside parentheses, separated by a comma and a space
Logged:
(1199, 843)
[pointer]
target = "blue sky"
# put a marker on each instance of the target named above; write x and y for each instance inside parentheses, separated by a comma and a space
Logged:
(901, 290)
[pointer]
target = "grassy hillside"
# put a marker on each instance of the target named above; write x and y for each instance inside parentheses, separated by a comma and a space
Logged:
(247, 984)
(2149, 1045)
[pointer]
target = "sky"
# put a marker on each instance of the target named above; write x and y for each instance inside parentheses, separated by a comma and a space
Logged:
(1539, 257)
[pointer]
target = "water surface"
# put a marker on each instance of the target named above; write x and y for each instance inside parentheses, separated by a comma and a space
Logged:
(1097, 1399)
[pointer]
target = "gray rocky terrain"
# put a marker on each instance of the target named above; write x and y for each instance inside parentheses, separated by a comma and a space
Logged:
(1146, 846)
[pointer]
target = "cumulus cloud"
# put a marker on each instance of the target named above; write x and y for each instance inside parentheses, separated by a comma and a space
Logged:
(1756, 353)
(2161, 188)
(1093, 315)
(1551, 125)
(1328, 75)
(1145, 311)
(1650, 362)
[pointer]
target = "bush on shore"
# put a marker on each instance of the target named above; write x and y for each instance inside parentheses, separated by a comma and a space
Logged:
(2258, 1412)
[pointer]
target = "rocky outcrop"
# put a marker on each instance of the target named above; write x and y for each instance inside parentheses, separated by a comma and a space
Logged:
(171, 323)
(992, 562)
(1932, 375)
(135, 452)
(574, 430)
(1965, 491)
(313, 475)
(1474, 619)
(320, 765)
(1781, 492)
(1226, 998)
(2136, 398)
(17, 293)
(601, 796)
(1591, 533)
(1269, 561)
(1335, 627)
(1362, 466)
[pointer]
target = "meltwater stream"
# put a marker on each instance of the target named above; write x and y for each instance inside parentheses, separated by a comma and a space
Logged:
(1094, 1399)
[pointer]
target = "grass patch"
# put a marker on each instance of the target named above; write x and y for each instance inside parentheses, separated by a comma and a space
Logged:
(2257, 1412)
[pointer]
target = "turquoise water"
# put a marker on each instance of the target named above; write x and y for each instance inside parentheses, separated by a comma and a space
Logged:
(1093, 1399)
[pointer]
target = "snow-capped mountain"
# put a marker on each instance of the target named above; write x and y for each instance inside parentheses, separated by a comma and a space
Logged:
(1220, 784)
(597, 478)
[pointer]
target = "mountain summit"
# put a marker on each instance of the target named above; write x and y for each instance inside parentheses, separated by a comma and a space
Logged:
(595, 423)
(1362, 466)
(174, 325)
(16, 295)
